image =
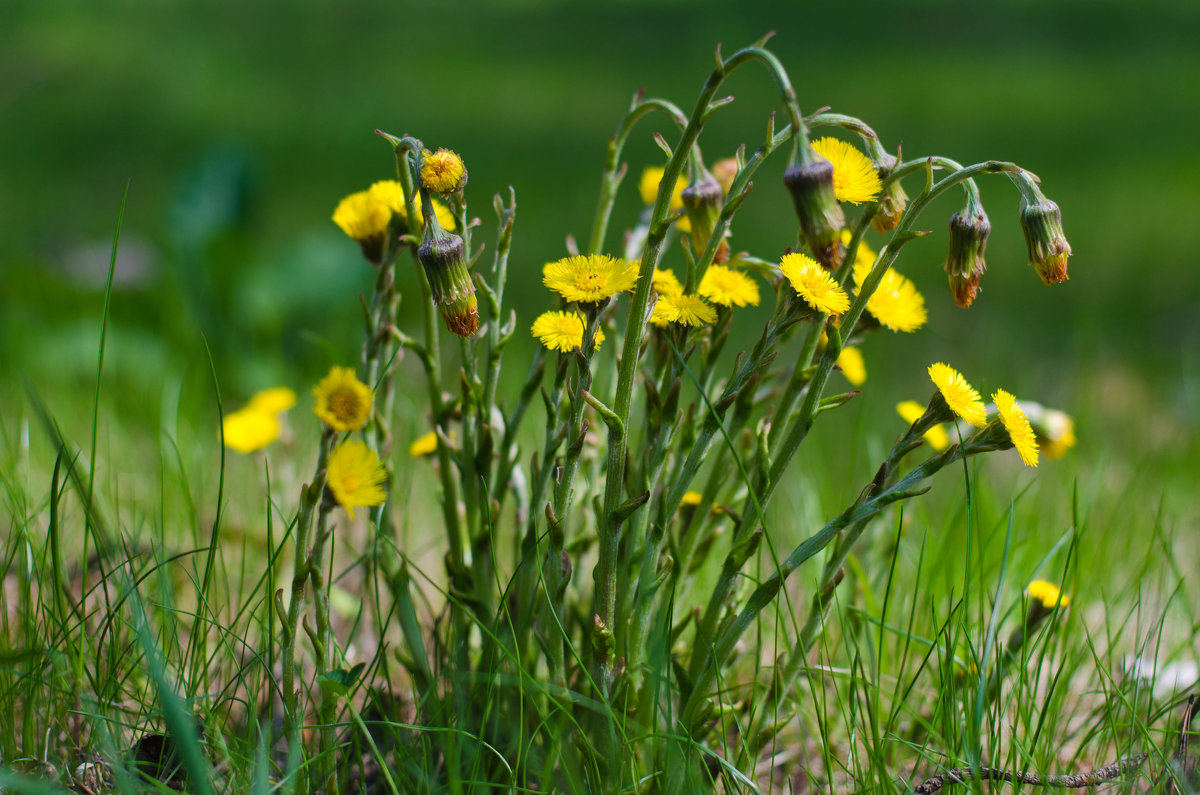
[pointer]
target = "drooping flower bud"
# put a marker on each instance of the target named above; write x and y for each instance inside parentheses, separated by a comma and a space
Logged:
(702, 202)
(821, 218)
(893, 200)
(1041, 221)
(444, 259)
(969, 230)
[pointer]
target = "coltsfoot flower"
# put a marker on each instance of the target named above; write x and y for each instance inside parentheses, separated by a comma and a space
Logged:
(960, 396)
(896, 302)
(1017, 425)
(1047, 594)
(850, 362)
(648, 189)
(687, 310)
(443, 171)
(355, 476)
(814, 284)
(855, 179)
(912, 411)
(391, 193)
(691, 498)
(562, 331)
(248, 430)
(273, 401)
(665, 282)
(728, 287)
(364, 217)
(589, 279)
(342, 401)
(423, 445)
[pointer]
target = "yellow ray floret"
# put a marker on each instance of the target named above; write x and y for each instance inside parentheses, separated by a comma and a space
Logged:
(912, 411)
(1048, 594)
(355, 476)
(589, 279)
(562, 331)
(728, 287)
(960, 396)
(814, 284)
(855, 179)
(687, 310)
(342, 401)
(1017, 425)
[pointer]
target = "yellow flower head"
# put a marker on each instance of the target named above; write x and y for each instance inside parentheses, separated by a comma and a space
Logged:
(1056, 434)
(355, 476)
(648, 187)
(1048, 594)
(691, 498)
(249, 429)
(814, 284)
(589, 279)
(562, 331)
(850, 362)
(364, 218)
(665, 283)
(343, 402)
(424, 445)
(687, 310)
(865, 254)
(273, 401)
(896, 302)
(728, 287)
(390, 193)
(1017, 425)
(960, 396)
(443, 171)
(912, 411)
(855, 179)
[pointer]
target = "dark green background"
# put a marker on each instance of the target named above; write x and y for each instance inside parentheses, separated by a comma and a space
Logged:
(239, 126)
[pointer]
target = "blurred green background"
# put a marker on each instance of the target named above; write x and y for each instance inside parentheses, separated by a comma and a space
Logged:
(238, 126)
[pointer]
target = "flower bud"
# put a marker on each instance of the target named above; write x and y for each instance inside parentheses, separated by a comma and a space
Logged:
(969, 230)
(444, 259)
(893, 200)
(1041, 221)
(443, 171)
(702, 202)
(821, 217)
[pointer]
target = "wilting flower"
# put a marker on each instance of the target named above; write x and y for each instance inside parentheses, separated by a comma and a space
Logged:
(912, 411)
(1017, 425)
(814, 284)
(896, 302)
(728, 287)
(960, 396)
(687, 310)
(855, 179)
(850, 362)
(1047, 594)
(355, 476)
(589, 279)
(562, 331)
(342, 401)
(443, 171)
(364, 218)
(423, 445)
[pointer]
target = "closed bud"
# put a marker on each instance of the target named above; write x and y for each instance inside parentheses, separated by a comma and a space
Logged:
(1041, 221)
(893, 200)
(702, 202)
(444, 260)
(821, 217)
(969, 230)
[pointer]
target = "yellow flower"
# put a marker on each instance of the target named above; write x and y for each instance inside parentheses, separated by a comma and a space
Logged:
(865, 254)
(443, 171)
(589, 279)
(364, 218)
(1056, 435)
(343, 402)
(562, 331)
(1048, 594)
(728, 287)
(423, 446)
(273, 401)
(688, 310)
(1017, 425)
(855, 179)
(691, 498)
(912, 411)
(665, 283)
(355, 476)
(896, 303)
(648, 188)
(814, 284)
(850, 362)
(960, 396)
(390, 193)
(249, 429)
